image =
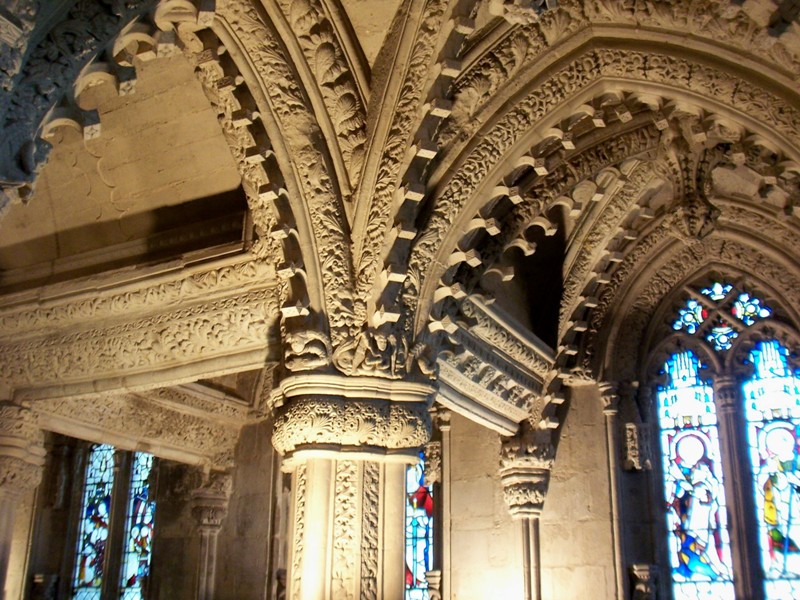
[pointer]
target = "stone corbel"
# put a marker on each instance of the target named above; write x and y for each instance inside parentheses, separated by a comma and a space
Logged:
(525, 465)
(209, 508)
(643, 581)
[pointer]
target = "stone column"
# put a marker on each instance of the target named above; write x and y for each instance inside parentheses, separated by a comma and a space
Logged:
(209, 508)
(22, 457)
(610, 399)
(525, 465)
(738, 485)
(347, 442)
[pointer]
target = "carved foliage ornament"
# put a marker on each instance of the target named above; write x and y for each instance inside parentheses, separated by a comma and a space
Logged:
(22, 450)
(772, 111)
(349, 423)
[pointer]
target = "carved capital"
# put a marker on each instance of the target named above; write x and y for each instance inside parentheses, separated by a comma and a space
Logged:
(525, 463)
(727, 393)
(22, 450)
(210, 501)
(354, 415)
(609, 397)
(433, 466)
(524, 489)
(643, 580)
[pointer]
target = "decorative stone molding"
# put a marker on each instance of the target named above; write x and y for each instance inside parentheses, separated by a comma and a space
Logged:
(644, 580)
(433, 463)
(328, 413)
(174, 337)
(210, 500)
(22, 450)
(328, 62)
(636, 456)
(132, 420)
(56, 58)
(525, 463)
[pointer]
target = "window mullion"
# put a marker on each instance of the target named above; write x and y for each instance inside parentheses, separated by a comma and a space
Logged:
(738, 487)
(116, 534)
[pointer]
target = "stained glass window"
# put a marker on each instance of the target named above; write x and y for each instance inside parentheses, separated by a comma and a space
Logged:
(772, 410)
(690, 317)
(721, 335)
(699, 544)
(717, 291)
(419, 531)
(138, 530)
(94, 524)
(748, 309)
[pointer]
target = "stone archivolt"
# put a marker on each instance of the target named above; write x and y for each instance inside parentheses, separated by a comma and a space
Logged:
(378, 214)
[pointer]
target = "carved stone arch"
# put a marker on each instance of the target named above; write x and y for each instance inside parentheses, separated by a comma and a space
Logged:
(328, 60)
(312, 198)
(663, 84)
(503, 61)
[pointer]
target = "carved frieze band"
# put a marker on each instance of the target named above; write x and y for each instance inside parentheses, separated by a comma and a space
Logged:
(133, 419)
(175, 337)
(22, 317)
(340, 423)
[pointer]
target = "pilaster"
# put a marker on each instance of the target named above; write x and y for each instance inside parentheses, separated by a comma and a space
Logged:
(525, 465)
(209, 508)
(22, 456)
(347, 442)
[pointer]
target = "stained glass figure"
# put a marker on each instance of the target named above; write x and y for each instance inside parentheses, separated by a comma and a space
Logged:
(690, 317)
(93, 532)
(419, 531)
(699, 543)
(772, 410)
(748, 309)
(721, 335)
(138, 530)
(717, 291)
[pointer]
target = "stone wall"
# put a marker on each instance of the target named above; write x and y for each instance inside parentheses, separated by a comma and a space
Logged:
(244, 543)
(576, 543)
(486, 553)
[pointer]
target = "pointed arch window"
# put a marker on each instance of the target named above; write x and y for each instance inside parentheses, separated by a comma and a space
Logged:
(725, 334)
(112, 557)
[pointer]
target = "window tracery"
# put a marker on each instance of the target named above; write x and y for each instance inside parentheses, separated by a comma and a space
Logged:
(723, 333)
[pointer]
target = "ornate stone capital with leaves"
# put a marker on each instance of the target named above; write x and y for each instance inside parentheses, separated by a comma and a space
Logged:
(354, 415)
(210, 500)
(22, 450)
(525, 462)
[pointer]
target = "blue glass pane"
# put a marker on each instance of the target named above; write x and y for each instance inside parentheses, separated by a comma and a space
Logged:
(138, 530)
(717, 291)
(690, 317)
(698, 539)
(419, 531)
(721, 336)
(772, 410)
(93, 529)
(748, 310)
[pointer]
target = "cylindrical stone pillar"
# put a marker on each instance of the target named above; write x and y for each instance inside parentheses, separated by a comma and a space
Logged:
(347, 442)
(22, 457)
